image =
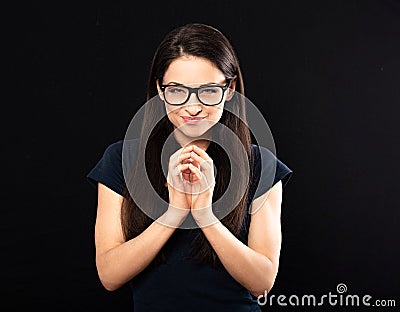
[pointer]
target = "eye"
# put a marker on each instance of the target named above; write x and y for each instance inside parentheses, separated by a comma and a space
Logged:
(176, 90)
(208, 90)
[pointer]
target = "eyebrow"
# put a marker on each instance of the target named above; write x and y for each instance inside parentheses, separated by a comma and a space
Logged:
(181, 84)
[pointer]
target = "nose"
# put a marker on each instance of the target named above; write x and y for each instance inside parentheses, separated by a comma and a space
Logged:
(193, 106)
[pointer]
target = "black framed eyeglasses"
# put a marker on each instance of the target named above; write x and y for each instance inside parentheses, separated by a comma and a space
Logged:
(210, 94)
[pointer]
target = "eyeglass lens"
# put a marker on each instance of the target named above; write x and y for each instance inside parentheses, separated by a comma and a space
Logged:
(179, 94)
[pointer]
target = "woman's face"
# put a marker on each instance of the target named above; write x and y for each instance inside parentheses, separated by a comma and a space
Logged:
(193, 72)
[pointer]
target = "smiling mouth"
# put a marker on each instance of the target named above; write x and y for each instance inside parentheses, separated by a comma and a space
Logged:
(192, 120)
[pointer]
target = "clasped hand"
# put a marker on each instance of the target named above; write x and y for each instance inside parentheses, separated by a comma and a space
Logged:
(191, 181)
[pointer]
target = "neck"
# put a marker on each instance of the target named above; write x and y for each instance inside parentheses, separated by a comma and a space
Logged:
(203, 142)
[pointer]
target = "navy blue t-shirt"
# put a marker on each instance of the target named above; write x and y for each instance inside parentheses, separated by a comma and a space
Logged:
(181, 284)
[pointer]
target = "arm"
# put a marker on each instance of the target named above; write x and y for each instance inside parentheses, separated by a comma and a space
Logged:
(118, 261)
(254, 266)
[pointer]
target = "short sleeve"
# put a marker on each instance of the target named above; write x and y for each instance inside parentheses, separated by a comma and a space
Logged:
(108, 169)
(283, 173)
(269, 170)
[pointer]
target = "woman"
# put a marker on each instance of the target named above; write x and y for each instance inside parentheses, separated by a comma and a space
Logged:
(231, 257)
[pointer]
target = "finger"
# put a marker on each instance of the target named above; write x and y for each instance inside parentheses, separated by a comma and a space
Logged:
(173, 159)
(205, 174)
(176, 179)
(197, 174)
(207, 167)
(201, 186)
(173, 177)
(202, 153)
(188, 166)
(208, 179)
(195, 171)
(190, 169)
(184, 156)
(183, 170)
(175, 170)
(196, 158)
(179, 172)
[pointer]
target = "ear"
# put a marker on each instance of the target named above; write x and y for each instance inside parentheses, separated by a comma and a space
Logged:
(160, 93)
(231, 90)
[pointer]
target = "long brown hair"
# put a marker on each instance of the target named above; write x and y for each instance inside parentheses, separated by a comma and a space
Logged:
(203, 41)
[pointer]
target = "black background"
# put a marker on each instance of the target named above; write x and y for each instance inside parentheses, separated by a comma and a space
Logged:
(325, 75)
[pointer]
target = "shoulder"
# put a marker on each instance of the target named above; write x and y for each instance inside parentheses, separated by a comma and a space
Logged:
(114, 149)
(121, 148)
(262, 154)
(268, 169)
(264, 160)
(109, 169)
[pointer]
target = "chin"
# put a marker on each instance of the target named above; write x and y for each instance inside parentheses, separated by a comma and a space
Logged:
(195, 133)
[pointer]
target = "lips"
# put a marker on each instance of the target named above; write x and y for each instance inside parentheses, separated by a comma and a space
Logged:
(192, 120)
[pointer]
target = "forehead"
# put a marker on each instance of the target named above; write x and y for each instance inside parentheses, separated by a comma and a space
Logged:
(190, 70)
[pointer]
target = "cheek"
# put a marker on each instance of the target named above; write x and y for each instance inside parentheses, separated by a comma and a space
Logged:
(173, 115)
(216, 114)
(171, 110)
